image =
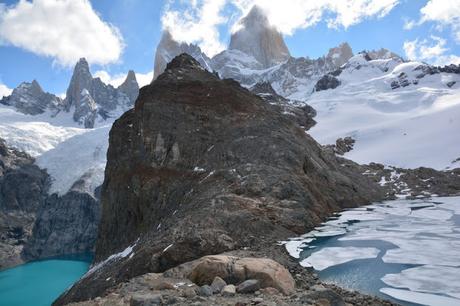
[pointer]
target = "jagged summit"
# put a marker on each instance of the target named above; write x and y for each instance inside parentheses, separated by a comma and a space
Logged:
(168, 48)
(130, 86)
(84, 90)
(256, 37)
(340, 54)
(31, 99)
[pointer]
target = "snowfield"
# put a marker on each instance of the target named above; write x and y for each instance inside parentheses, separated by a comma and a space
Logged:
(406, 127)
(61, 146)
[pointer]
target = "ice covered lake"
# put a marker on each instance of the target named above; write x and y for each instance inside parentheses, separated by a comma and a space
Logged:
(407, 251)
(39, 283)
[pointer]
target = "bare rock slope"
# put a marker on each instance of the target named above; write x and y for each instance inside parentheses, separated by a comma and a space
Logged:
(203, 166)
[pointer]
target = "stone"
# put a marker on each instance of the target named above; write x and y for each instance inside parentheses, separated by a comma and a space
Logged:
(229, 290)
(206, 290)
(145, 299)
(248, 286)
(218, 284)
(327, 296)
(269, 291)
(189, 292)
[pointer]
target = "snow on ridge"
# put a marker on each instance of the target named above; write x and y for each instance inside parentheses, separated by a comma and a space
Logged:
(408, 127)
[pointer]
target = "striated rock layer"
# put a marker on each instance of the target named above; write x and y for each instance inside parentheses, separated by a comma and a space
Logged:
(202, 166)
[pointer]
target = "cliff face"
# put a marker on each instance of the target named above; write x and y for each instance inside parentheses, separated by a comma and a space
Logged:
(202, 166)
(23, 190)
(258, 38)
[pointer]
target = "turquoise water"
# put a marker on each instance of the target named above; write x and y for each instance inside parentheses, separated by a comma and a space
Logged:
(39, 283)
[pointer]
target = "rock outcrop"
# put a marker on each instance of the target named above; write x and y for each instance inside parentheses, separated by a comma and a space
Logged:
(23, 190)
(202, 166)
(30, 99)
(257, 38)
(328, 81)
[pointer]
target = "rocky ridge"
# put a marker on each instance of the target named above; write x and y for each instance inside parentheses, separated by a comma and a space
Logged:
(87, 98)
(30, 99)
(206, 166)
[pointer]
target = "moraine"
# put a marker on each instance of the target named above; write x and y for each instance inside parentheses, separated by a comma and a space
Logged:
(404, 250)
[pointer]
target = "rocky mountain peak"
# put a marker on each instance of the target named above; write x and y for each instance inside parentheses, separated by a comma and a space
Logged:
(340, 54)
(29, 98)
(168, 48)
(184, 61)
(256, 37)
(130, 87)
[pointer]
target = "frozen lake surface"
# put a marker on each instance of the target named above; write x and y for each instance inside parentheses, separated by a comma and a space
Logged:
(404, 250)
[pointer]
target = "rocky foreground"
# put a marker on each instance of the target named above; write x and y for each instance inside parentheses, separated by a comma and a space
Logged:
(202, 166)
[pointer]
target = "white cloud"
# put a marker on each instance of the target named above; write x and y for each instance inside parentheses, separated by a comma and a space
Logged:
(65, 30)
(116, 80)
(198, 22)
(433, 51)
(4, 91)
(446, 13)
(144, 78)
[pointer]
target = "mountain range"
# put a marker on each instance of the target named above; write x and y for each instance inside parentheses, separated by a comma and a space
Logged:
(397, 113)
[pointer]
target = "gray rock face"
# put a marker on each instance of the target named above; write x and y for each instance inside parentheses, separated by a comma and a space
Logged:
(30, 99)
(23, 190)
(86, 112)
(340, 54)
(130, 87)
(89, 96)
(34, 225)
(200, 166)
(64, 225)
(257, 38)
(168, 48)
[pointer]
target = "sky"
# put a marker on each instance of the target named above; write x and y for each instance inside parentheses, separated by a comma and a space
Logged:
(43, 39)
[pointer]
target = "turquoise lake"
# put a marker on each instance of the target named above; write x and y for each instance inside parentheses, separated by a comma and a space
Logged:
(39, 283)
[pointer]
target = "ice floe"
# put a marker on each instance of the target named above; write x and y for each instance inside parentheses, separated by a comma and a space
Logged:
(428, 279)
(328, 257)
(420, 232)
(420, 298)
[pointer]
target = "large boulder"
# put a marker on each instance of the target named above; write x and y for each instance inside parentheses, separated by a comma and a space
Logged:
(234, 270)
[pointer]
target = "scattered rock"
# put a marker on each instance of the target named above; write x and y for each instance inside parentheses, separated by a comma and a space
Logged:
(450, 84)
(189, 292)
(248, 286)
(145, 300)
(229, 290)
(269, 291)
(206, 290)
(218, 284)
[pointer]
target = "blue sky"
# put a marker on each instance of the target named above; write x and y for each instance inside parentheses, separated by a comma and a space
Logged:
(118, 35)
